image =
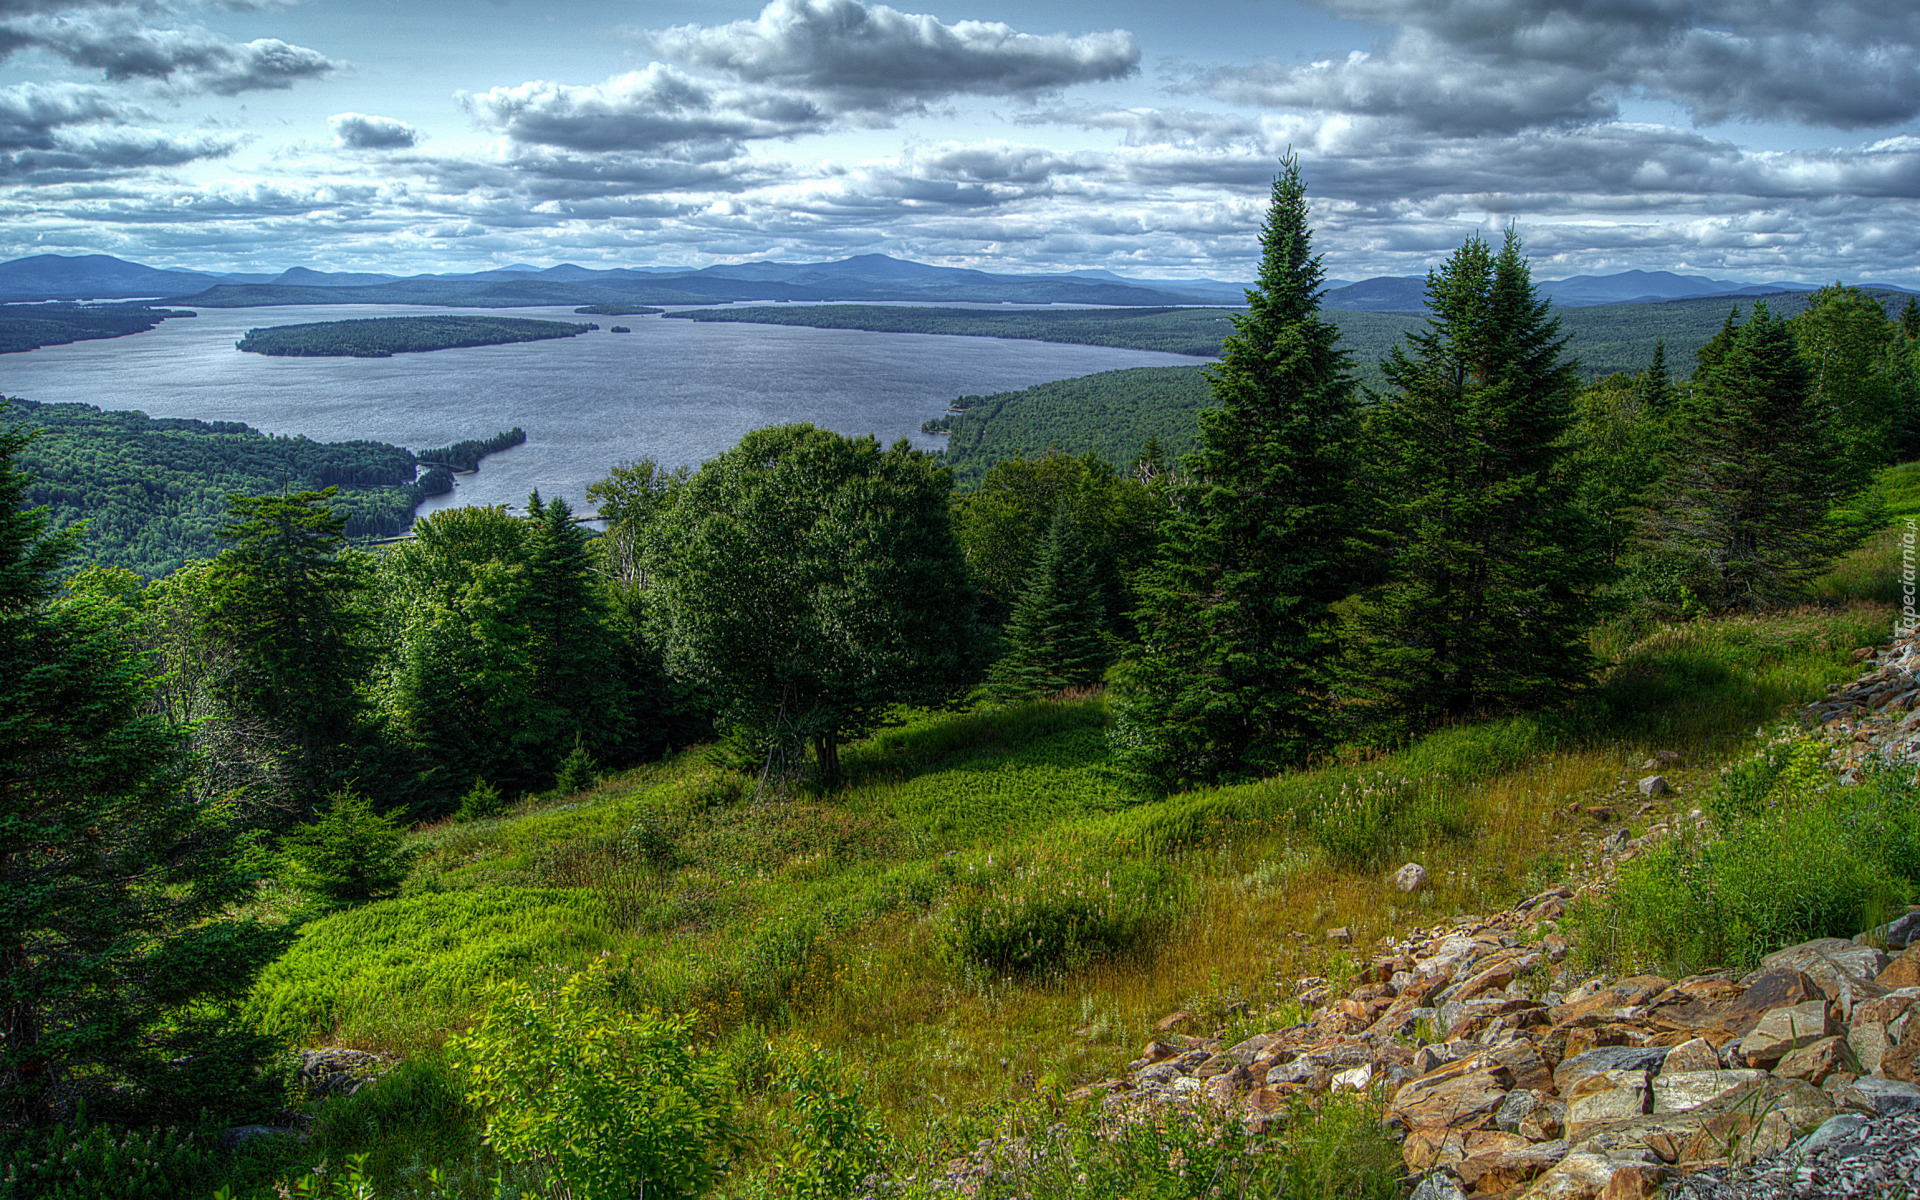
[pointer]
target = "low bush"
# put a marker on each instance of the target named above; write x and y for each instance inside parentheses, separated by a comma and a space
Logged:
(606, 1102)
(1796, 855)
(1053, 909)
(83, 1161)
(824, 1143)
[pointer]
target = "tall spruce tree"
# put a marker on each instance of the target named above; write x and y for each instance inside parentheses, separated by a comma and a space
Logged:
(1756, 466)
(1231, 675)
(1054, 639)
(120, 974)
(1490, 561)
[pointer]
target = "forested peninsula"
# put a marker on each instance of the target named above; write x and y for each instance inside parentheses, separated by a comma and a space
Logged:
(384, 337)
(31, 326)
(152, 491)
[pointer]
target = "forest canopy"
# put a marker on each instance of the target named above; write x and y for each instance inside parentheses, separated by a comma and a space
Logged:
(31, 326)
(383, 337)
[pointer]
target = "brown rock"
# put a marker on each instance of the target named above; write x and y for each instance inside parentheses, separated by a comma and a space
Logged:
(1697, 1054)
(1499, 975)
(1498, 1172)
(1174, 1022)
(1902, 972)
(1578, 1176)
(1635, 1181)
(1815, 1062)
(1461, 1095)
(1759, 1120)
(1154, 1052)
(1780, 1031)
(1898, 1063)
(1604, 1098)
(1426, 1149)
(1609, 1002)
(1524, 1063)
(1721, 1010)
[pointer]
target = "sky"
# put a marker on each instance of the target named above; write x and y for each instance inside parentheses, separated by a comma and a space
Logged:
(1755, 140)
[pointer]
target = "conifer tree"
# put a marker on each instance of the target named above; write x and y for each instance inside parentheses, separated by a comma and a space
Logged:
(1757, 464)
(1232, 672)
(1656, 386)
(1490, 560)
(1054, 639)
(120, 972)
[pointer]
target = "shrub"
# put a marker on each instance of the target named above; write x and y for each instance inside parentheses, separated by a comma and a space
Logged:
(1052, 910)
(84, 1161)
(1796, 856)
(482, 800)
(603, 1100)
(349, 856)
(827, 1144)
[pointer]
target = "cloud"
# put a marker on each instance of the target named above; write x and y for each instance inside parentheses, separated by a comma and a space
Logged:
(63, 132)
(656, 109)
(874, 59)
(30, 113)
(1459, 66)
(358, 131)
(123, 45)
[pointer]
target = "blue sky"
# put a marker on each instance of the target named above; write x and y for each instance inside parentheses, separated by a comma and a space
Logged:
(1749, 139)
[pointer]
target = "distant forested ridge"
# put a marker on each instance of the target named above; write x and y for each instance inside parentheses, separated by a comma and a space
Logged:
(383, 337)
(153, 490)
(618, 310)
(1195, 331)
(1112, 414)
(31, 326)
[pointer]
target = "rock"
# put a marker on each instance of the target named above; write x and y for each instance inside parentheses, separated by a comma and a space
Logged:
(1491, 1172)
(1461, 1095)
(1882, 1097)
(1604, 1097)
(1815, 1062)
(1516, 1109)
(1902, 972)
(1357, 1079)
(1173, 1022)
(1695, 1055)
(1844, 972)
(1635, 1181)
(1626, 994)
(1681, 1091)
(1780, 1031)
(1897, 934)
(1154, 1052)
(1655, 785)
(1340, 934)
(1410, 878)
(1436, 1185)
(1568, 1074)
(1578, 1176)
(1758, 1119)
(1834, 1131)
(1246, 1052)
(1898, 1063)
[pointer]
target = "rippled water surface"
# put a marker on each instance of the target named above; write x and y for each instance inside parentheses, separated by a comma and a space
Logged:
(675, 391)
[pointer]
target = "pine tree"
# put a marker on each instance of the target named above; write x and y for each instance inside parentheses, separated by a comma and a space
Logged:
(1231, 677)
(570, 649)
(1757, 464)
(1656, 386)
(1054, 639)
(349, 855)
(1490, 560)
(120, 977)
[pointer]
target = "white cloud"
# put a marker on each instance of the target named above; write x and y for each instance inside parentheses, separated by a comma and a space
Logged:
(358, 131)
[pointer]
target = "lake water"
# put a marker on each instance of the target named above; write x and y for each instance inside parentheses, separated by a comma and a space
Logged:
(674, 391)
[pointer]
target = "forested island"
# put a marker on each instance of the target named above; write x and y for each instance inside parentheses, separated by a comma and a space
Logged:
(1195, 331)
(153, 491)
(618, 310)
(383, 337)
(31, 326)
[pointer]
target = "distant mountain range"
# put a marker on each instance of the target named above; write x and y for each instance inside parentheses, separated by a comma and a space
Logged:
(869, 277)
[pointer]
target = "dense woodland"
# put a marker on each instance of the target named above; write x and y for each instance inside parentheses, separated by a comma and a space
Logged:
(152, 491)
(211, 767)
(384, 337)
(31, 326)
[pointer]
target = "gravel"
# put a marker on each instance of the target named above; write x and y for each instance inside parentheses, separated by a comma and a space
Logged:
(1847, 1157)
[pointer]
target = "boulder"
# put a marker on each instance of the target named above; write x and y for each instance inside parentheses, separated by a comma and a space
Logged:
(1720, 1010)
(1897, 934)
(1610, 1002)
(1493, 1172)
(1758, 1119)
(1902, 972)
(1606, 1097)
(1696, 1054)
(1881, 1097)
(1460, 1095)
(1607, 1058)
(1836, 1132)
(1815, 1062)
(1898, 1063)
(1843, 971)
(1410, 878)
(1578, 1176)
(1780, 1031)
(1437, 1185)
(1655, 785)
(1681, 1091)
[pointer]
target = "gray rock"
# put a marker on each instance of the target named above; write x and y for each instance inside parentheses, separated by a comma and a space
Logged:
(1515, 1109)
(1410, 878)
(1655, 785)
(1437, 1185)
(1882, 1096)
(1897, 934)
(1680, 1091)
(1832, 1134)
(1607, 1058)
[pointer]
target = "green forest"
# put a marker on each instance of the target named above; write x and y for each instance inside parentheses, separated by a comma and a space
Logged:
(618, 310)
(1194, 331)
(153, 491)
(821, 825)
(1112, 414)
(384, 337)
(31, 326)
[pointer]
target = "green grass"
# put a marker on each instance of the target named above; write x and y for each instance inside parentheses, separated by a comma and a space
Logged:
(985, 918)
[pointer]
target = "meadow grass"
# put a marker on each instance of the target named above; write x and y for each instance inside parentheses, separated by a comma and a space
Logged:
(985, 918)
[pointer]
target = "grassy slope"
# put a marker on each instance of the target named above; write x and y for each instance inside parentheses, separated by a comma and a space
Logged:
(825, 921)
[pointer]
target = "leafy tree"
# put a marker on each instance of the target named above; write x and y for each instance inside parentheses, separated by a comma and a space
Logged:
(287, 606)
(1231, 677)
(1490, 562)
(1054, 640)
(609, 1103)
(119, 976)
(812, 581)
(1756, 465)
(1621, 432)
(349, 855)
(1858, 371)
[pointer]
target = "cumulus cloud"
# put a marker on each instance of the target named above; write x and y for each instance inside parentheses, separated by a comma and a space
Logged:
(655, 109)
(65, 132)
(123, 45)
(358, 131)
(875, 59)
(1503, 65)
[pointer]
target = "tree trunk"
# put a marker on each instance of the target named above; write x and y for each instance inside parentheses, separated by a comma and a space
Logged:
(826, 753)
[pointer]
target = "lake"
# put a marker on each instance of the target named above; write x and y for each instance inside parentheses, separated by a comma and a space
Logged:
(674, 391)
